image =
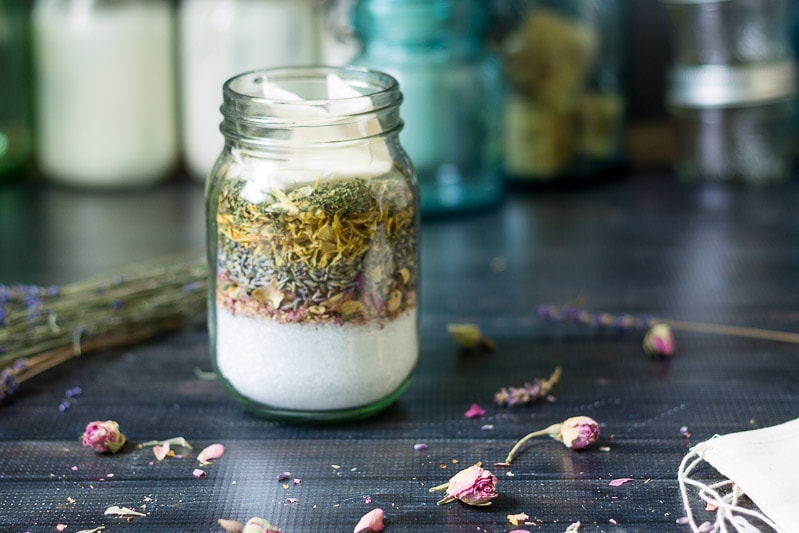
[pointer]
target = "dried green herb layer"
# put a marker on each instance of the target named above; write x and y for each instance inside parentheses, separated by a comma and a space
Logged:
(332, 252)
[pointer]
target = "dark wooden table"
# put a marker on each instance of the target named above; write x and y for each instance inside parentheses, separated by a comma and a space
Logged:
(643, 245)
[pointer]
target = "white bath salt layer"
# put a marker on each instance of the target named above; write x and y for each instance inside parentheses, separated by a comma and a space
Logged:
(315, 367)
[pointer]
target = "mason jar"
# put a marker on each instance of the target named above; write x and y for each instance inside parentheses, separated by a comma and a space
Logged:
(220, 38)
(313, 226)
(732, 124)
(564, 66)
(105, 92)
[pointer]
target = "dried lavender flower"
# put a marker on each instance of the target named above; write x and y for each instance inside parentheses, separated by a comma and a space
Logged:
(531, 392)
(43, 326)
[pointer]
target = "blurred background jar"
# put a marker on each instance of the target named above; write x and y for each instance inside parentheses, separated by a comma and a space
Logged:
(452, 91)
(106, 94)
(731, 90)
(222, 38)
(563, 62)
(16, 137)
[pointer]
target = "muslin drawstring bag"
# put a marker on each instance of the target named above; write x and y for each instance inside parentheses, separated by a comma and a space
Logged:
(762, 465)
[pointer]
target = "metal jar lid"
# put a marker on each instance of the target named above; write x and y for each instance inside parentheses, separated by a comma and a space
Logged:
(725, 86)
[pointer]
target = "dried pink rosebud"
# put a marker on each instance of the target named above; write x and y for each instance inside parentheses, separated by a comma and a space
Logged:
(578, 432)
(103, 437)
(371, 522)
(472, 486)
(659, 341)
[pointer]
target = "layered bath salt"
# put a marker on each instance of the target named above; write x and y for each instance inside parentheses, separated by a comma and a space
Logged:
(315, 366)
(316, 292)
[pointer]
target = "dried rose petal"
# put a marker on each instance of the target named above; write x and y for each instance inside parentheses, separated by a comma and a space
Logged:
(103, 437)
(161, 451)
(198, 473)
(475, 411)
(214, 451)
(370, 522)
(231, 526)
(620, 481)
(518, 518)
(259, 525)
(469, 337)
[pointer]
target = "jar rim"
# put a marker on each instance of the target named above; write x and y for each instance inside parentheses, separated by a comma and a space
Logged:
(310, 104)
(375, 81)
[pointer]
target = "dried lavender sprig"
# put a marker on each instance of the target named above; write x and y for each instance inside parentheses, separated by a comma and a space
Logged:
(143, 301)
(530, 392)
(630, 322)
(578, 315)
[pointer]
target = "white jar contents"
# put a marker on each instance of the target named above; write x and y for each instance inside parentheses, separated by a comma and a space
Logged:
(105, 91)
(315, 366)
(221, 38)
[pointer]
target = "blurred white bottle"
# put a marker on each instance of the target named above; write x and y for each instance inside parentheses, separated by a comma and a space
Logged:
(222, 38)
(106, 109)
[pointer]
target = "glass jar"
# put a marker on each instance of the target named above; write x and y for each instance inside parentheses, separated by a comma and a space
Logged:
(733, 123)
(563, 63)
(105, 102)
(16, 138)
(729, 32)
(312, 239)
(452, 90)
(220, 38)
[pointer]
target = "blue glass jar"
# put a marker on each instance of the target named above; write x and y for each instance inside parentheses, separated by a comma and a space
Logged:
(452, 89)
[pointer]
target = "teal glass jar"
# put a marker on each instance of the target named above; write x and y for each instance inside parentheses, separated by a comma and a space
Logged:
(564, 68)
(16, 132)
(312, 240)
(452, 89)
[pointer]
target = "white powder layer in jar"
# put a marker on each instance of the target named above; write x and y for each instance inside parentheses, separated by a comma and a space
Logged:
(315, 367)
(105, 92)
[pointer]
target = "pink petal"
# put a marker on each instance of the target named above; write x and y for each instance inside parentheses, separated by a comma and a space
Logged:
(161, 451)
(198, 473)
(214, 451)
(370, 522)
(620, 481)
(475, 411)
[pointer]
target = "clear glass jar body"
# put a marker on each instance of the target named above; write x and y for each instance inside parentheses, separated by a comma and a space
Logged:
(105, 91)
(729, 32)
(452, 89)
(312, 238)
(563, 63)
(221, 38)
(16, 137)
(747, 143)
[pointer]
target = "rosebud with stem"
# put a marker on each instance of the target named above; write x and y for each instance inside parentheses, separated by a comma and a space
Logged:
(577, 432)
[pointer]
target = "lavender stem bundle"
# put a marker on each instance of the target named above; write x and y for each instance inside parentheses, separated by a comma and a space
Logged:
(41, 327)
